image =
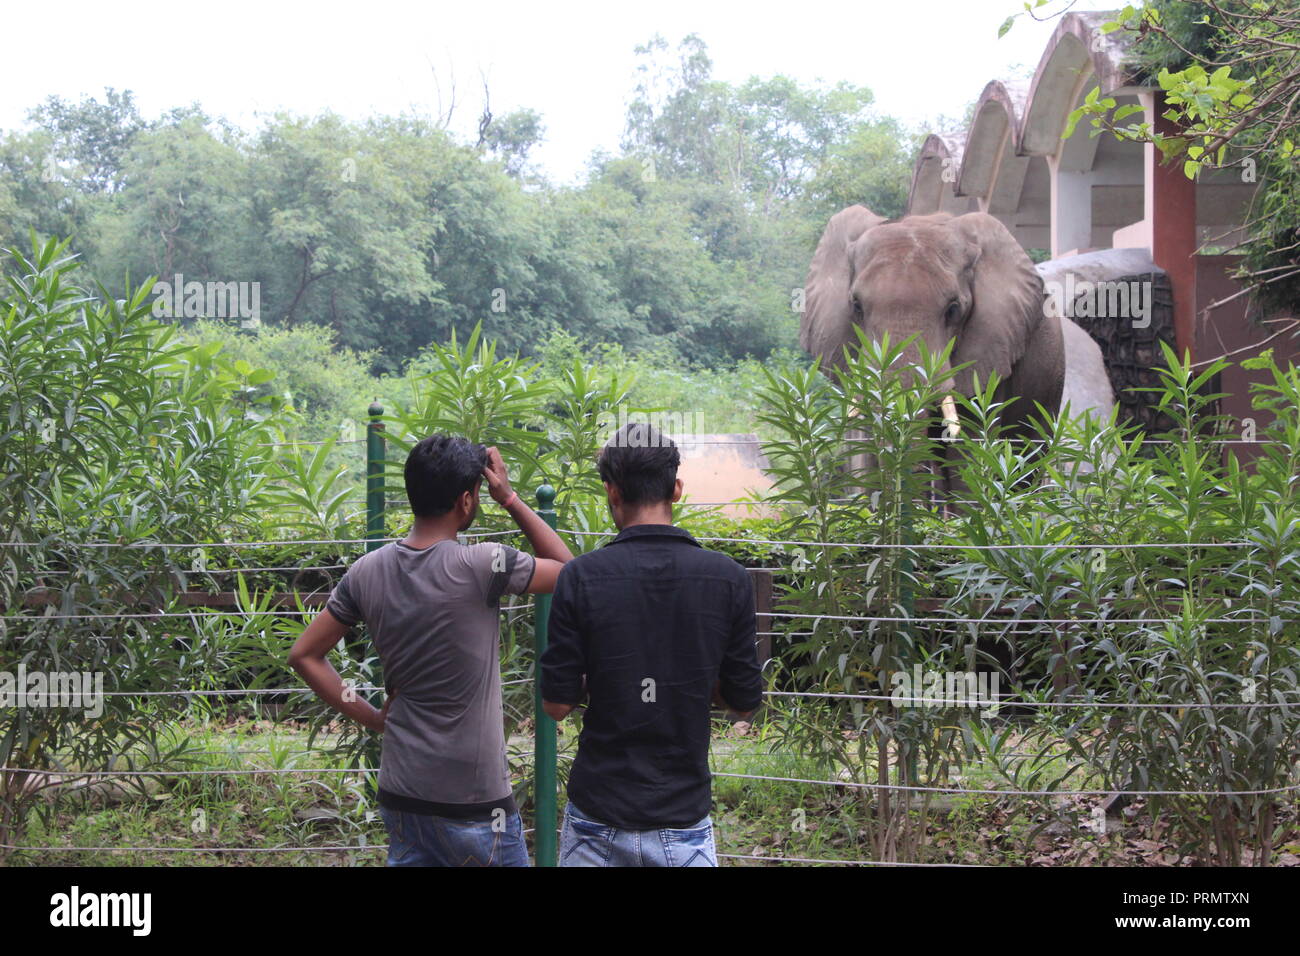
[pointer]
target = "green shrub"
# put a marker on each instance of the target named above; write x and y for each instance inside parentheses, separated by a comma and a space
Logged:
(113, 434)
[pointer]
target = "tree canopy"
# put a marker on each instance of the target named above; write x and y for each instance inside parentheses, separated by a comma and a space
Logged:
(393, 234)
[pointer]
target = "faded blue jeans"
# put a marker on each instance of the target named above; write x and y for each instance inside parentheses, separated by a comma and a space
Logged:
(417, 839)
(587, 842)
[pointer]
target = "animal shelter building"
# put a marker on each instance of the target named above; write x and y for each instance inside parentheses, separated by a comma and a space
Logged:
(1106, 209)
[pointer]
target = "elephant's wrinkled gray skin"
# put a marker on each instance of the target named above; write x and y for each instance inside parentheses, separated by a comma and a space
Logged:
(945, 277)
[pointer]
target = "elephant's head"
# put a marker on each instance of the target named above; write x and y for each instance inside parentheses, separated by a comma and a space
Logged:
(960, 278)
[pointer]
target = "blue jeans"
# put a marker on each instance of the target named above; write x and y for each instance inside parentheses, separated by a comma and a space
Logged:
(417, 839)
(588, 842)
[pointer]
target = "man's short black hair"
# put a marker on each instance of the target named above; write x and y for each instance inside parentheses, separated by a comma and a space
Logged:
(439, 470)
(641, 461)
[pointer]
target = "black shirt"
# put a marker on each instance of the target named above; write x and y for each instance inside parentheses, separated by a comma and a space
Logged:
(654, 621)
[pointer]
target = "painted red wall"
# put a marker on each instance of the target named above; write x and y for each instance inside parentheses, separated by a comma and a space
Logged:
(1173, 236)
(1227, 329)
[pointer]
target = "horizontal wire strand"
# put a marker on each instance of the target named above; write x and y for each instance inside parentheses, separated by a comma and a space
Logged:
(848, 784)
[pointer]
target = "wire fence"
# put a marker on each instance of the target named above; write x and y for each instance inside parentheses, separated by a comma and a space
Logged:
(952, 546)
(197, 545)
(195, 849)
(198, 612)
(755, 857)
(806, 781)
(69, 775)
(689, 439)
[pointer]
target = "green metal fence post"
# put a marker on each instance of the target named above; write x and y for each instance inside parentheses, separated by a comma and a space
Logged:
(907, 598)
(374, 477)
(544, 744)
(375, 454)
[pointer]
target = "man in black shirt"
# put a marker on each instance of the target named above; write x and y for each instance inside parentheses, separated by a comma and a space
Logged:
(650, 629)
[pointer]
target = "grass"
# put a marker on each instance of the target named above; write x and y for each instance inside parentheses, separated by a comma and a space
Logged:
(194, 817)
(208, 812)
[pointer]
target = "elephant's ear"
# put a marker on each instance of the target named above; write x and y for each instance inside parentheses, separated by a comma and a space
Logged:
(1008, 330)
(826, 323)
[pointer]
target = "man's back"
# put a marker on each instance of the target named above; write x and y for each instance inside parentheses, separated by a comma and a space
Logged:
(430, 605)
(433, 616)
(653, 621)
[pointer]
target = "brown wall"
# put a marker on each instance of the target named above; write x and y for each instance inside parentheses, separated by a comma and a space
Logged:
(1227, 329)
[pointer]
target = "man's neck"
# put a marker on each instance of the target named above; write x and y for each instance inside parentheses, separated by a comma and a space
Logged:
(655, 515)
(426, 532)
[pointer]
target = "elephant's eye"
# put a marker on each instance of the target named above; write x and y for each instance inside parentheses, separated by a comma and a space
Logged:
(953, 313)
(857, 307)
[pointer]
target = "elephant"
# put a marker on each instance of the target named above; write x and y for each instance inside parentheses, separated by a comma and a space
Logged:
(962, 278)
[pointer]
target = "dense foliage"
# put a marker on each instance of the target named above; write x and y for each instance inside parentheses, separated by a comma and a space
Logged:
(1137, 602)
(393, 234)
(1141, 603)
(1138, 606)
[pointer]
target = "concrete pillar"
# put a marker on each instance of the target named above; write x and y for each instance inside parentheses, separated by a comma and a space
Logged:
(1071, 208)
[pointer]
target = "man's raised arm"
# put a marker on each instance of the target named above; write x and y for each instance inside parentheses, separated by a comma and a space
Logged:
(549, 549)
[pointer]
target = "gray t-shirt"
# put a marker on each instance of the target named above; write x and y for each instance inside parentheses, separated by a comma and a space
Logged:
(433, 616)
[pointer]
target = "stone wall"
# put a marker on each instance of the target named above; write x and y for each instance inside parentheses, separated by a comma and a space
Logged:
(1092, 289)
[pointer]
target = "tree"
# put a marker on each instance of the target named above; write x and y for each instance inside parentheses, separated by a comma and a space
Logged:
(873, 166)
(183, 206)
(512, 137)
(35, 194)
(92, 137)
(344, 216)
(763, 139)
(394, 234)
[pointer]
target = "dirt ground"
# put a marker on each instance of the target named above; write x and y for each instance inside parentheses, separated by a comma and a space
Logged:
(723, 467)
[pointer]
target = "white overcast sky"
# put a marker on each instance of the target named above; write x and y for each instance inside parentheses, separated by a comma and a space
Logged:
(573, 62)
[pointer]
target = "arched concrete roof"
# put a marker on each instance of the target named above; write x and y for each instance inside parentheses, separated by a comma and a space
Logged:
(934, 175)
(996, 113)
(1076, 50)
(1077, 53)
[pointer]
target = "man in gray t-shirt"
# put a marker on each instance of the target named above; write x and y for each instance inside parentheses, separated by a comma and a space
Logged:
(431, 606)
(433, 615)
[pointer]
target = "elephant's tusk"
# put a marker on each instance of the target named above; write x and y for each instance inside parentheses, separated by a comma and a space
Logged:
(952, 425)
